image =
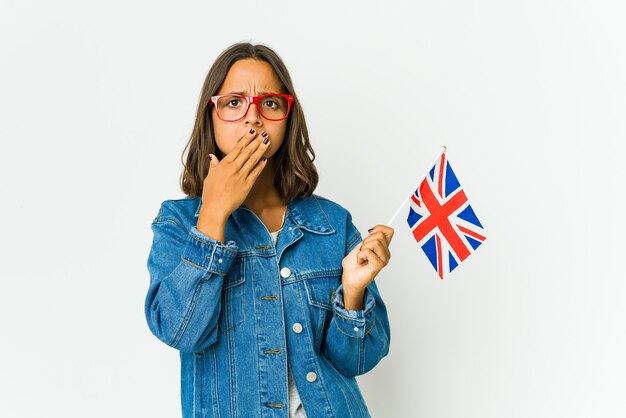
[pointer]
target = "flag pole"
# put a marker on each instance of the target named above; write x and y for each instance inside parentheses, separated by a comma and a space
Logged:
(410, 193)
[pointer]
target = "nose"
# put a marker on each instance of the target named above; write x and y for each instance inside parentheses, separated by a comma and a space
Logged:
(252, 115)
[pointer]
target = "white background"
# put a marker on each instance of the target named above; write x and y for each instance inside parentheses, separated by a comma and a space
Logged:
(97, 101)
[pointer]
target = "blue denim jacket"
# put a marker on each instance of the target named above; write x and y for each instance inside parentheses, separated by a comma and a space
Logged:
(238, 311)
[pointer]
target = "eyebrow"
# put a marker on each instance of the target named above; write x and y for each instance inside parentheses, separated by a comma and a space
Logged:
(242, 93)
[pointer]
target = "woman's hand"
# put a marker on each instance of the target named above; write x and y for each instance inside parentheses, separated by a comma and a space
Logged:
(365, 261)
(229, 181)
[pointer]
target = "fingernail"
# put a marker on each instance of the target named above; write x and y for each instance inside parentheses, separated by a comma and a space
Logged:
(266, 140)
(370, 230)
(263, 158)
(263, 133)
(210, 158)
(252, 131)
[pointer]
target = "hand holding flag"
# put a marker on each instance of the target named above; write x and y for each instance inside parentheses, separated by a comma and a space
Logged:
(442, 222)
(367, 258)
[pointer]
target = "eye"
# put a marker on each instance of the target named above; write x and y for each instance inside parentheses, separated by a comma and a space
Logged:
(233, 102)
(272, 104)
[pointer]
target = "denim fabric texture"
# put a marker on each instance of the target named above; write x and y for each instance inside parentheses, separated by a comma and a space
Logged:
(238, 311)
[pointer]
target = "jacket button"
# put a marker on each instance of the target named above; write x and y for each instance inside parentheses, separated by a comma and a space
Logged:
(311, 376)
(297, 328)
(285, 272)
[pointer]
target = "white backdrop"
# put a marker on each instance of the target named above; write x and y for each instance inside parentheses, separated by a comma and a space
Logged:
(97, 101)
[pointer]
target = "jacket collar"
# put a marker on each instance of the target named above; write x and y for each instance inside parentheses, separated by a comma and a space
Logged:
(306, 213)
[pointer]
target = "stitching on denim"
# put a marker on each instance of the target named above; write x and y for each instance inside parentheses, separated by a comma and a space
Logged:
(354, 395)
(340, 377)
(320, 273)
(233, 283)
(232, 362)
(195, 385)
(358, 320)
(211, 257)
(348, 401)
(201, 382)
(320, 305)
(353, 241)
(168, 220)
(308, 285)
(370, 328)
(229, 328)
(223, 247)
(360, 365)
(332, 228)
(232, 289)
(340, 330)
(366, 313)
(320, 328)
(189, 312)
(198, 381)
(214, 383)
(193, 264)
(238, 267)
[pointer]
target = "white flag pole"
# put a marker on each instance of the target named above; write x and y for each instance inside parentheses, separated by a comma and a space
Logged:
(410, 193)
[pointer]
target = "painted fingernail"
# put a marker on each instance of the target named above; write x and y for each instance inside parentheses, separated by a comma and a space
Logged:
(370, 230)
(263, 158)
(263, 133)
(210, 158)
(266, 140)
(252, 131)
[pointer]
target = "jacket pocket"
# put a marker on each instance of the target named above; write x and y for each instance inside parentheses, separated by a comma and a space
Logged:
(233, 313)
(320, 288)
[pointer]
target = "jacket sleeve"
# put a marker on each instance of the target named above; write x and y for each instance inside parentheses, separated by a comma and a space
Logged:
(187, 269)
(356, 340)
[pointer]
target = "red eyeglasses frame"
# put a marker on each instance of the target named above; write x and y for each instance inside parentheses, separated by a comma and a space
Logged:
(256, 100)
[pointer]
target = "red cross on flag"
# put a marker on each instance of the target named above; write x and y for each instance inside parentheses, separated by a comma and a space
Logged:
(443, 222)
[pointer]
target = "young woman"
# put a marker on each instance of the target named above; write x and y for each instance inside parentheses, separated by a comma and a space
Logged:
(266, 289)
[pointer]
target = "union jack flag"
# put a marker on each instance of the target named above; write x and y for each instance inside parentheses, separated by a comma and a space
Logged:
(442, 220)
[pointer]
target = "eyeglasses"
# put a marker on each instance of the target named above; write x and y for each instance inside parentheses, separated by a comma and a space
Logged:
(233, 107)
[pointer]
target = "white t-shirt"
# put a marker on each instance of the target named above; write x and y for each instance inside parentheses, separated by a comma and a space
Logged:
(296, 410)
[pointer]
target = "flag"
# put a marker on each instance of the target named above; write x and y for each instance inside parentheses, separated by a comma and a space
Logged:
(442, 220)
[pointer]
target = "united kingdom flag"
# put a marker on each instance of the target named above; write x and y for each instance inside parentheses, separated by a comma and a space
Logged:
(442, 220)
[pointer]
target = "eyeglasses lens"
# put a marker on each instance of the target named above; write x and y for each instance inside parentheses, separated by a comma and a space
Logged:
(231, 108)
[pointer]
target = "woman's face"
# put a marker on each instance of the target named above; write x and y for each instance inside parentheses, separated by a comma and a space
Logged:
(249, 77)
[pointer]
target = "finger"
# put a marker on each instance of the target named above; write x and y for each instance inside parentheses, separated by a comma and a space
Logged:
(242, 142)
(257, 169)
(386, 230)
(377, 236)
(255, 157)
(372, 259)
(379, 248)
(248, 150)
(213, 160)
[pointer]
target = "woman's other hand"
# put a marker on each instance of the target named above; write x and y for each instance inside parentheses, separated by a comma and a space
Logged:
(363, 263)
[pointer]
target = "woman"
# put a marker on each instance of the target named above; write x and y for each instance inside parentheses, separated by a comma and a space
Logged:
(266, 289)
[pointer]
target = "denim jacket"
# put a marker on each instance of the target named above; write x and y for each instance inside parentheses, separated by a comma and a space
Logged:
(238, 311)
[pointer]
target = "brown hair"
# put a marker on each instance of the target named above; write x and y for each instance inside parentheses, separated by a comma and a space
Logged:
(296, 175)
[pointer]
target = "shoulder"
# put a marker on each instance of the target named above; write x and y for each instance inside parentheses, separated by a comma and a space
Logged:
(333, 209)
(341, 219)
(181, 209)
